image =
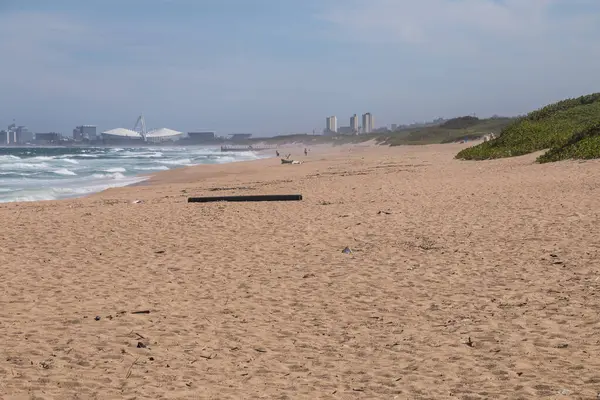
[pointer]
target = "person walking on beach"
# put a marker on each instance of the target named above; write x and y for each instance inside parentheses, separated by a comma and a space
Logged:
(305, 152)
(277, 153)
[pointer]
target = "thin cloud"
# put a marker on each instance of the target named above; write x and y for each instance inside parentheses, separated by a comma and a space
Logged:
(445, 22)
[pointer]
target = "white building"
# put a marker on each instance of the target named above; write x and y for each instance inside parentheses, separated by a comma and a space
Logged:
(121, 134)
(331, 124)
(367, 123)
(354, 123)
(163, 135)
(154, 136)
(139, 133)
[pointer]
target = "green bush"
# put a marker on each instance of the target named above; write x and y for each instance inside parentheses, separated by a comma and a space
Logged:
(440, 134)
(584, 145)
(551, 127)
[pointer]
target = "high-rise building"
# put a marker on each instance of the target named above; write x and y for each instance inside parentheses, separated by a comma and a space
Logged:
(331, 124)
(367, 123)
(354, 123)
(394, 127)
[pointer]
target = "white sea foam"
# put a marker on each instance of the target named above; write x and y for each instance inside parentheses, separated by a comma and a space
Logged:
(19, 173)
(129, 154)
(184, 161)
(117, 169)
(225, 159)
(9, 158)
(64, 171)
(60, 193)
(22, 165)
(157, 168)
(116, 175)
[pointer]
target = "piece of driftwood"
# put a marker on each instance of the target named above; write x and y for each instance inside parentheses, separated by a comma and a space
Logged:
(266, 197)
(284, 161)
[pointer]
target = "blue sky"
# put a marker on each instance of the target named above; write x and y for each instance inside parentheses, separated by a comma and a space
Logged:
(282, 66)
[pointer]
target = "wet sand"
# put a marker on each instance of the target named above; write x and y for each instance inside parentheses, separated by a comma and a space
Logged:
(469, 280)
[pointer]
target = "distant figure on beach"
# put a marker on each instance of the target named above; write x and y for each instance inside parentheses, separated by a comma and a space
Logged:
(277, 153)
(305, 152)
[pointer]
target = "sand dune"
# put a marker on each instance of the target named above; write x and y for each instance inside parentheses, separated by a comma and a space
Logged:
(467, 280)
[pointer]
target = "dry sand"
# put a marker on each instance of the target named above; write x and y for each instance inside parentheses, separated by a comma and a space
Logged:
(257, 300)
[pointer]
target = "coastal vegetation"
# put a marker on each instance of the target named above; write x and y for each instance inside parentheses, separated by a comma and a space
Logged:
(584, 145)
(452, 130)
(570, 129)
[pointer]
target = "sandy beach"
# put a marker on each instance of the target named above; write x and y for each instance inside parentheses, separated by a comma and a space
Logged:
(468, 280)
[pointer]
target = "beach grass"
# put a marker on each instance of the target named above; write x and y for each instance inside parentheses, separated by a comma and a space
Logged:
(567, 128)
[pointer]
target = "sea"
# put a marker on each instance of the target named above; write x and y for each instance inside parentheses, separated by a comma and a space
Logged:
(51, 173)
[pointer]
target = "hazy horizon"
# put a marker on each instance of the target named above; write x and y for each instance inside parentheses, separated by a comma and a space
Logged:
(276, 67)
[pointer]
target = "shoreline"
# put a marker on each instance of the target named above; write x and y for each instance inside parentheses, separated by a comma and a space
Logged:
(149, 176)
(96, 178)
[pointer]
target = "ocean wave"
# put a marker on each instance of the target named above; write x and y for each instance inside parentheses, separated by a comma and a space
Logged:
(64, 171)
(117, 169)
(16, 174)
(116, 176)
(9, 158)
(183, 161)
(157, 168)
(56, 173)
(32, 197)
(129, 154)
(56, 193)
(54, 158)
(20, 165)
(226, 159)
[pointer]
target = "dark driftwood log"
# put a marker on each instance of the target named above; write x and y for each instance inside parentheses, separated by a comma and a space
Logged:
(266, 197)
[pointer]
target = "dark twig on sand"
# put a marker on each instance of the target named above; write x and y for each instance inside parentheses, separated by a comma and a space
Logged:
(141, 312)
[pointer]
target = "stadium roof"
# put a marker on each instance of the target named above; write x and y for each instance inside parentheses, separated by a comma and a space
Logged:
(163, 132)
(123, 133)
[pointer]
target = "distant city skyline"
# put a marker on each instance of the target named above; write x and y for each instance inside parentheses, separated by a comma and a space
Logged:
(287, 64)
